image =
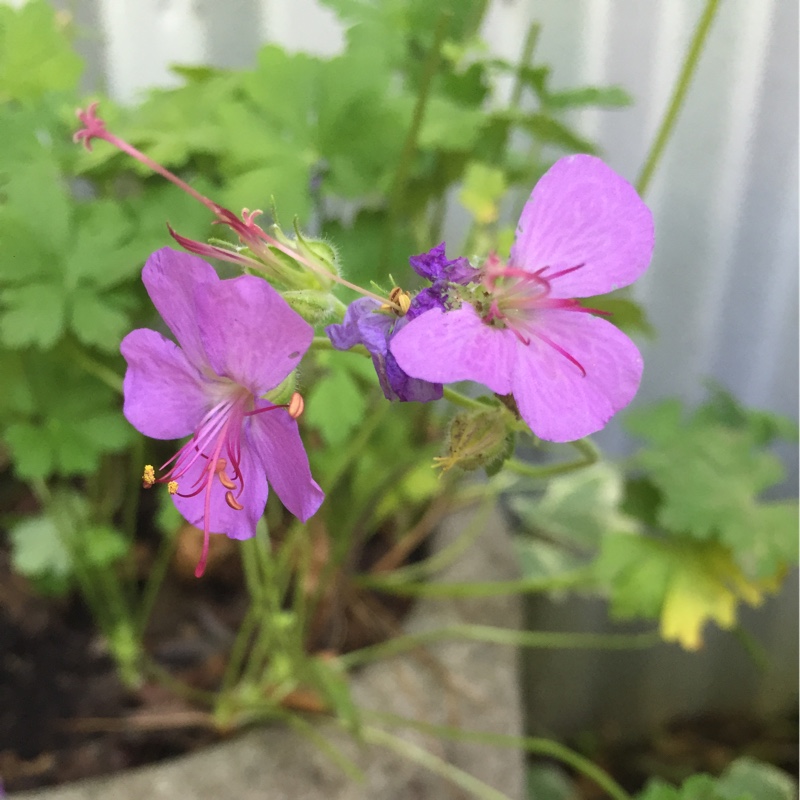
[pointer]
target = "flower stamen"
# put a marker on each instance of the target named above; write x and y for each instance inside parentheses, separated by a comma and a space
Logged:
(148, 476)
(232, 502)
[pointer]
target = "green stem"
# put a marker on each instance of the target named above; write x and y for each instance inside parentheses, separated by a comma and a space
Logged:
(462, 400)
(155, 578)
(438, 561)
(251, 569)
(678, 96)
(406, 157)
(94, 367)
(438, 766)
(347, 765)
(551, 640)
(233, 670)
(524, 61)
(590, 455)
(166, 678)
(568, 580)
(537, 746)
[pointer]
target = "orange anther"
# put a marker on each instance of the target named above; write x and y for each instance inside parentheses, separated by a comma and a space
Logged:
(232, 502)
(296, 405)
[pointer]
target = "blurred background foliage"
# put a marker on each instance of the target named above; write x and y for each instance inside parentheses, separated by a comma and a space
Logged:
(365, 148)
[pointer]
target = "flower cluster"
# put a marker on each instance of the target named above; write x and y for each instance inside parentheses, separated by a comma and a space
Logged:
(516, 327)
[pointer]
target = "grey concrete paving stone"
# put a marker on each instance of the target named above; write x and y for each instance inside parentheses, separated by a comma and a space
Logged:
(469, 684)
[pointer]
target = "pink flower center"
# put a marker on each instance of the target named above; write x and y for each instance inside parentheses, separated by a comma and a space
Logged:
(216, 446)
(516, 299)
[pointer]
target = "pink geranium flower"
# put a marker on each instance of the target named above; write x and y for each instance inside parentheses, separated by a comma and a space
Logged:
(238, 339)
(584, 231)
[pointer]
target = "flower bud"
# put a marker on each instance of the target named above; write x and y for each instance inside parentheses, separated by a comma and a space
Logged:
(281, 395)
(312, 305)
(477, 439)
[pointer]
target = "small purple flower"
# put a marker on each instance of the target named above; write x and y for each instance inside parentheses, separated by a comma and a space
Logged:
(238, 339)
(584, 231)
(365, 324)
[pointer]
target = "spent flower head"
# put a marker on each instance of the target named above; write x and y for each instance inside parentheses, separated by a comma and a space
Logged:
(298, 263)
(584, 231)
(373, 324)
(237, 340)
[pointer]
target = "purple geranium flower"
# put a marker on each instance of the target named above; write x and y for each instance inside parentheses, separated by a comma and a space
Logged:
(584, 231)
(238, 339)
(364, 323)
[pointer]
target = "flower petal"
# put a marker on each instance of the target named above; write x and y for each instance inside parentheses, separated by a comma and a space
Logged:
(434, 266)
(274, 437)
(222, 518)
(449, 346)
(582, 213)
(249, 332)
(362, 325)
(348, 334)
(165, 396)
(171, 278)
(557, 401)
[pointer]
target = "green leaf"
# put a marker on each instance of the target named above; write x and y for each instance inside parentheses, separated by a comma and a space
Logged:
(755, 780)
(96, 321)
(576, 511)
(605, 96)
(449, 126)
(550, 131)
(744, 779)
(23, 256)
(38, 552)
(284, 88)
(33, 315)
(624, 313)
(361, 251)
(698, 787)
(709, 478)
(335, 406)
(65, 444)
(31, 450)
(763, 426)
(102, 546)
(34, 194)
(16, 396)
(483, 189)
(35, 55)
(656, 422)
(286, 183)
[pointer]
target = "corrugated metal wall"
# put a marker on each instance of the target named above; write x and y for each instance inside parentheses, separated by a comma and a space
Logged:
(722, 290)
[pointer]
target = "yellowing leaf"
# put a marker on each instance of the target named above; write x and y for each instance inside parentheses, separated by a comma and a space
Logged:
(682, 582)
(484, 187)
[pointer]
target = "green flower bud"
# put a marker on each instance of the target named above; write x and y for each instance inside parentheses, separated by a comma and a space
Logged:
(477, 439)
(282, 393)
(313, 306)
